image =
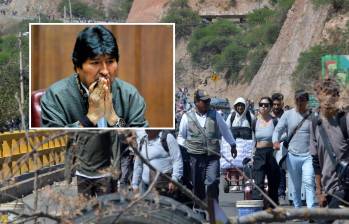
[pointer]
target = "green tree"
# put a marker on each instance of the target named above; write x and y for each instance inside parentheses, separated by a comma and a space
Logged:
(184, 18)
(231, 61)
(208, 41)
(309, 63)
(260, 16)
(9, 76)
(120, 9)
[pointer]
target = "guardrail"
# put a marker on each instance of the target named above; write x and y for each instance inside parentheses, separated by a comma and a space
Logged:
(15, 156)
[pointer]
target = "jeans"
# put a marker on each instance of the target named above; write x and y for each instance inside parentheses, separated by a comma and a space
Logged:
(282, 186)
(126, 171)
(300, 169)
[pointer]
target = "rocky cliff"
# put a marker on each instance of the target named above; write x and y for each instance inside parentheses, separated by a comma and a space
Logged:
(301, 30)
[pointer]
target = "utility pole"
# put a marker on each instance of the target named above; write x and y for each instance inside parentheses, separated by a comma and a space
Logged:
(70, 14)
(39, 12)
(64, 14)
(21, 68)
(21, 78)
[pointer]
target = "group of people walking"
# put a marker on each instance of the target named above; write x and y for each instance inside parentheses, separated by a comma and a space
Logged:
(285, 140)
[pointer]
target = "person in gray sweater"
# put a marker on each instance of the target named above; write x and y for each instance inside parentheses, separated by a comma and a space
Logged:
(298, 160)
(328, 186)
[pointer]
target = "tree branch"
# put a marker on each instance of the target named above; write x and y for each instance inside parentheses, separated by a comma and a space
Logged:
(138, 199)
(245, 177)
(34, 216)
(282, 214)
(181, 187)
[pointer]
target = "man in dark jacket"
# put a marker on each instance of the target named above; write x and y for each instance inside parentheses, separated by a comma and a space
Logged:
(93, 96)
(98, 162)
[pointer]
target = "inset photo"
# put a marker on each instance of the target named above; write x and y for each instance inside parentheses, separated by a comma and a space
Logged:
(101, 75)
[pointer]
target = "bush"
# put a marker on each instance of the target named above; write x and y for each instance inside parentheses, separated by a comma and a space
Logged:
(338, 5)
(309, 67)
(7, 49)
(184, 18)
(231, 59)
(207, 42)
(120, 9)
(179, 4)
(255, 60)
(9, 76)
(224, 45)
(309, 63)
(260, 16)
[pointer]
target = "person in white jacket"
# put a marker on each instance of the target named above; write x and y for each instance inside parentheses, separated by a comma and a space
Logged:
(240, 122)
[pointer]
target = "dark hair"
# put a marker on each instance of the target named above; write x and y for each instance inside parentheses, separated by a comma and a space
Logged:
(277, 96)
(94, 41)
(301, 94)
(267, 98)
(329, 86)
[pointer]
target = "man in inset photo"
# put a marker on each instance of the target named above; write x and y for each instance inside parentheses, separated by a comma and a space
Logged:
(102, 75)
(93, 97)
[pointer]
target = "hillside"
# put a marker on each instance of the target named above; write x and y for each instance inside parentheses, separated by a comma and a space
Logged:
(147, 11)
(304, 27)
(301, 30)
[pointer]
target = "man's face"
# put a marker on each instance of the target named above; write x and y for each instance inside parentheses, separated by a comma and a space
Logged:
(102, 66)
(203, 105)
(328, 102)
(302, 104)
(277, 106)
(240, 108)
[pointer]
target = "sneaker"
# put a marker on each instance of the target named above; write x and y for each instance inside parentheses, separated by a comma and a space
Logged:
(235, 188)
(282, 196)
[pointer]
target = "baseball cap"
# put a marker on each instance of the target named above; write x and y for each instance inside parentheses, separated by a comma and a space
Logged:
(201, 95)
(301, 95)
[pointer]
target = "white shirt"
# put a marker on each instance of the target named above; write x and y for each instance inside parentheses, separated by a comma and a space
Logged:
(162, 160)
(223, 128)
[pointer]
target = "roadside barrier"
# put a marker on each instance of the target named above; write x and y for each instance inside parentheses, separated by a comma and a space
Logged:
(15, 152)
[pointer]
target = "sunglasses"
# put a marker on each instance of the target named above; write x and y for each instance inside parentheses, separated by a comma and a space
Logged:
(206, 101)
(302, 99)
(264, 105)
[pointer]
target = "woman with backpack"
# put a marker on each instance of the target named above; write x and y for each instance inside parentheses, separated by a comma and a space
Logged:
(161, 149)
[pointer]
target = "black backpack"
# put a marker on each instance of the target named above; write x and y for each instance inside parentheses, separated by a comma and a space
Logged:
(163, 139)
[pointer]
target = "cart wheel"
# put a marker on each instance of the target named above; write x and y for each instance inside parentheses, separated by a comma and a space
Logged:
(226, 187)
